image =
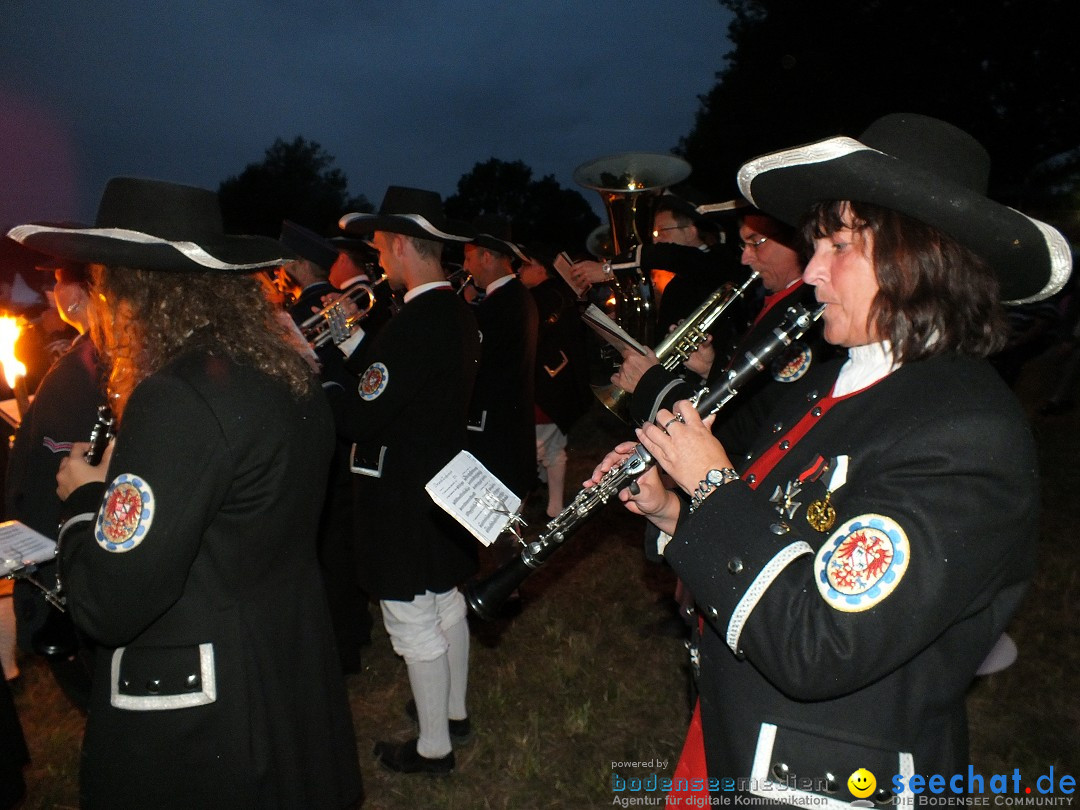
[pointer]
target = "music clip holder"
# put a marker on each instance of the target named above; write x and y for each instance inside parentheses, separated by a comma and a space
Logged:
(514, 519)
(22, 549)
(467, 491)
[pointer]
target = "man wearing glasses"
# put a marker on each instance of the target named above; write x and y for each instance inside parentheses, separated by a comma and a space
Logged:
(687, 260)
(769, 248)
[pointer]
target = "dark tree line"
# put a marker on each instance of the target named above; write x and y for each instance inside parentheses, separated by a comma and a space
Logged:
(502, 197)
(1007, 71)
(1004, 70)
(297, 181)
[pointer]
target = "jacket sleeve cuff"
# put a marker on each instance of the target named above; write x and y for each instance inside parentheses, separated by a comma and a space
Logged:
(86, 499)
(729, 553)
(658, 388)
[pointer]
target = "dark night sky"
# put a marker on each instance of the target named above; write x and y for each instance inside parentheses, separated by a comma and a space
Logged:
(414, 92)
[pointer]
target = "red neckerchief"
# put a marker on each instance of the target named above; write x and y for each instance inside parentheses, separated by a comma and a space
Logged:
(774, 299)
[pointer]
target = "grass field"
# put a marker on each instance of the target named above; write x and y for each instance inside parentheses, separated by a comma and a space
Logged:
(580, 681)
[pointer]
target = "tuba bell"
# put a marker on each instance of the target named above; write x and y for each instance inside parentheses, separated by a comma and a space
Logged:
(628, 183)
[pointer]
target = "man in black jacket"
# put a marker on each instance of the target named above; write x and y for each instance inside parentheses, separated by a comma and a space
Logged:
(408, 421)
(316, 256)
(501, 417)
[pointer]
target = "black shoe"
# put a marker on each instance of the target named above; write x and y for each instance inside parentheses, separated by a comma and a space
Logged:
(403, 758)
(460, 730)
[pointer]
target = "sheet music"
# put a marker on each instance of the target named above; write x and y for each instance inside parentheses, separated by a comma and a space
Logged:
(475, 498)
(21, 546)
(562, 265)
(9, 411)
(609, 330)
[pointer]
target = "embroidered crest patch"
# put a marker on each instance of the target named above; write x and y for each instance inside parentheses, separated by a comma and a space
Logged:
(793, 363)
(862, 562)
(126, 516)
(373, 381)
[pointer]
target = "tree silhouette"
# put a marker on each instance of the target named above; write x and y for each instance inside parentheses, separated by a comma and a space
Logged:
(536, 210)
(294, 181)
(1006, 71)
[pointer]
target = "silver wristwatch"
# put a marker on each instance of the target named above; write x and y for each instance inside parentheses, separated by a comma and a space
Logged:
(713, 479)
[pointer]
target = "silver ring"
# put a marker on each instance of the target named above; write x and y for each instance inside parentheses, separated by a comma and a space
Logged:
(669, 421)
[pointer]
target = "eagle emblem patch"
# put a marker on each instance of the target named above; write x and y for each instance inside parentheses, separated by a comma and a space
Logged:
(793, 363)
(126, 515)
(862, 563)
(373, 381)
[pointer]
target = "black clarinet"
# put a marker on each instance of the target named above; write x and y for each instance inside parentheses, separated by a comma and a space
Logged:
(486, 597)
(100, 435)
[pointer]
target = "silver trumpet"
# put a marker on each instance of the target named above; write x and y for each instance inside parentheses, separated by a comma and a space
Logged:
(459, 278)
(486, 597)
(340, 318)
(679, 344)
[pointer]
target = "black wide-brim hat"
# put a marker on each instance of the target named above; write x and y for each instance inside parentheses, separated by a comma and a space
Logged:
(928, 170)
(307, 244)
(155, 225)
(411, 212)
(497, 245)
(680, 205)
(16, 257)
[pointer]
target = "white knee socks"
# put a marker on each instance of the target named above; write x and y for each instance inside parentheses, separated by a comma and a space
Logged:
(430, 682)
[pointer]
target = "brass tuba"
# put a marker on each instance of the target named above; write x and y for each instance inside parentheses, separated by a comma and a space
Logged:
(628, 183)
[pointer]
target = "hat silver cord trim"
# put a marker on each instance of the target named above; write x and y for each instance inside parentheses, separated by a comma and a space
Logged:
(419, 220)
(188, 249)
(820, 152)
(1060, 261)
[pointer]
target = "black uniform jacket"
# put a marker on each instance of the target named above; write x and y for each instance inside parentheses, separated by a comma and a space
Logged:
(698, 272)
(502, 418)
(408, 421)
(660, 388)
(63, 411)
(216, 681)
(562, 365)
(825, 651)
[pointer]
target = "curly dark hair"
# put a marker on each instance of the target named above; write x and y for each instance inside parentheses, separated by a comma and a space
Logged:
(144, 319)
(934, 295)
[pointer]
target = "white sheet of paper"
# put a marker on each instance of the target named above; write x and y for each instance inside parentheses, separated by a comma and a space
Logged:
(475, 498)
(9, 411)
(610, 331)
(21, 546)
(562, 265)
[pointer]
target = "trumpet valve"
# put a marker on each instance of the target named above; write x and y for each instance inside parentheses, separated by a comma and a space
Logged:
(337, 320)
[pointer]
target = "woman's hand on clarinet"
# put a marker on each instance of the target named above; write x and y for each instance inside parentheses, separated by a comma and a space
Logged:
(646, 495)
(75, 471)
(683, 445)
(613, 459)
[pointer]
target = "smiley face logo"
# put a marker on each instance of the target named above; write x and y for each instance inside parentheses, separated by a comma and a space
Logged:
(861, 783)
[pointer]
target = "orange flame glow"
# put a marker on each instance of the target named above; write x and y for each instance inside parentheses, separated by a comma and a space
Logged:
(9, 332)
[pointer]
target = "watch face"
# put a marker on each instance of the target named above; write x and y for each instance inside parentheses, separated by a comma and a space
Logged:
(714, 477)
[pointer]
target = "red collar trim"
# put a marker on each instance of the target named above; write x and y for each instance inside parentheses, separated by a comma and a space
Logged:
(774, 299)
